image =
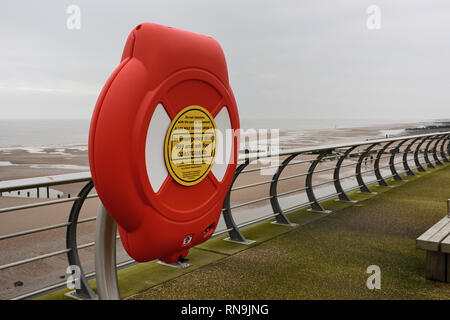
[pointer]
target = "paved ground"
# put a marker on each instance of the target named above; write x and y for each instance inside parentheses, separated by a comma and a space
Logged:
(327, 258)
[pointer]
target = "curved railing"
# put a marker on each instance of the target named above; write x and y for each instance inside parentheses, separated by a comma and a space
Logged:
(387, 148)
(382, 159)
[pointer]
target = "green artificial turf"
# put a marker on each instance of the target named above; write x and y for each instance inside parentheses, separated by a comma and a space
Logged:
(324, 257)
(144, 275)
(328, 257)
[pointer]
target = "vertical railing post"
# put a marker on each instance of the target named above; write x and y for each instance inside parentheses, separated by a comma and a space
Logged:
(361, 184)
(233, 230)
(419, 166)
(381, 181)
(406, 166)
(336, 176)
(426, 153)
(435, 150)
(443, 155)
(315, 205)
(85, 291)
(280, 217)
(394, 172)
(448, 147)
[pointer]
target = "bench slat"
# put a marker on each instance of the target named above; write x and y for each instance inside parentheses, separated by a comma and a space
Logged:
(441, 234)
(445, 245)
(431, 238)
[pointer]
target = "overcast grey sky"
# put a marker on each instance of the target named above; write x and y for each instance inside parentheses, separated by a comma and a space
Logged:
(286, 59)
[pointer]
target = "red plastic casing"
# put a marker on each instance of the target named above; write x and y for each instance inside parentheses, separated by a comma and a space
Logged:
(176, 68)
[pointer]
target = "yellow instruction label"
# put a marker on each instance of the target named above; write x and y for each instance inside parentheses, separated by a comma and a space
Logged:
(190, 145)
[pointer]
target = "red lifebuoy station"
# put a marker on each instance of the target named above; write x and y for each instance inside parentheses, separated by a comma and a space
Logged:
(154, 140)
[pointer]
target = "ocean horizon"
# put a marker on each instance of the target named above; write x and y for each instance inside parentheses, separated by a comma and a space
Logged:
(16, 133)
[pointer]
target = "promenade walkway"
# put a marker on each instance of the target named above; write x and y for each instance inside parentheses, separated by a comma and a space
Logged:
(324, 257)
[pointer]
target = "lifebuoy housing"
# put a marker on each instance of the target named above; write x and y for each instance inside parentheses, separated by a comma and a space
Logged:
(154, 141)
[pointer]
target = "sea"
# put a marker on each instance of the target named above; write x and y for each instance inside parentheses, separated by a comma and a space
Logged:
(63, 132)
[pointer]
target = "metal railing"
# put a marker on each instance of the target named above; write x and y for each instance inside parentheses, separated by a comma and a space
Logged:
(415, 149)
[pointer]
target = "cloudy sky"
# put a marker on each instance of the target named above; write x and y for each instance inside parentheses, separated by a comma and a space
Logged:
(286, 59)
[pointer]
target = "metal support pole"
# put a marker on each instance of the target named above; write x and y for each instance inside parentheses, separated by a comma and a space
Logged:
(443, 155)
(435, 150)
(362, 185)
(408, 170)
(336, 176)
(105, 256)
(416, 156)
(280, 217)
(394, 172)
(448, 208)
(427, 158)
(84, 292)
(380, 178)
(315, 205)
(234, 232)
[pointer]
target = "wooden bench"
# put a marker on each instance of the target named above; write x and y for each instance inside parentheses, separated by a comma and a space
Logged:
(436, 241)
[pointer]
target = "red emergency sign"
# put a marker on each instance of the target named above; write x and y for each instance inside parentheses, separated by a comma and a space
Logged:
(158, 153)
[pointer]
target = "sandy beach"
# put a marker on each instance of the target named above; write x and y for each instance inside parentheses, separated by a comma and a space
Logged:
(26, 162)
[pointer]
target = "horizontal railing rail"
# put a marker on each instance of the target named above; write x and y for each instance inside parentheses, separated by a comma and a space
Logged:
(365, 156)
